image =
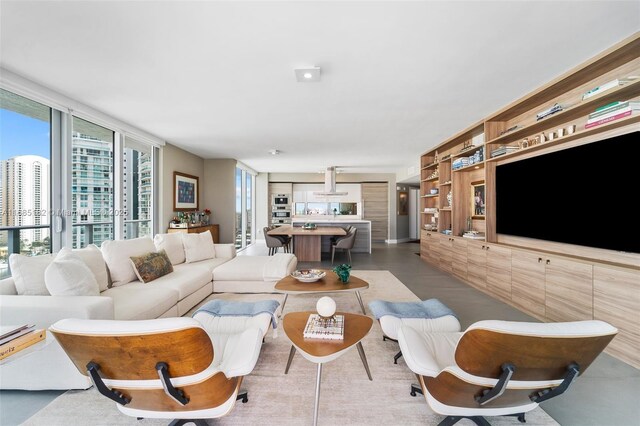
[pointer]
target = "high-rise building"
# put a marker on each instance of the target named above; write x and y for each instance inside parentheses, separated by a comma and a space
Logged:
(91, 190)
(24, 195)
(137, 193)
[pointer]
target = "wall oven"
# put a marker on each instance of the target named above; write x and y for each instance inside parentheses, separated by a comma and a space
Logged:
(281, 199)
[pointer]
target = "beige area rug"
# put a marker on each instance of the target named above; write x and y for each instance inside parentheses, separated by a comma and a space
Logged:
(347, 397)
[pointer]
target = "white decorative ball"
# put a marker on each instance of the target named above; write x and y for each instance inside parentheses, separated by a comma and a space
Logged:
(326, 307)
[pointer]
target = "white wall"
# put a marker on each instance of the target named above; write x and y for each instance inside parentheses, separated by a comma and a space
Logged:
(219, 194)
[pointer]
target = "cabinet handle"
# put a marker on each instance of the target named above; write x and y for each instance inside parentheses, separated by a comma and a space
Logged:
(539, 259)
(482, 247)
(488, 248)
(548, 262)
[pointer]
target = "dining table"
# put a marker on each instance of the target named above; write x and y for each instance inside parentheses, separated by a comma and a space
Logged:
(307, 242)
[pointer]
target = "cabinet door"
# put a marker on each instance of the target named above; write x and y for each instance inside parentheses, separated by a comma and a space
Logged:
(527, 282)
(568, 290)
(375, 198)
(616, 300)
(445, 254)
(477, 264)
(428, 247)
(499, 272)
(459, 258)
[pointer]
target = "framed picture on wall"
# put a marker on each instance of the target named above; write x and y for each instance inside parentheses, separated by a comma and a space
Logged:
(477, 199)
(185, 190)
(403, 203)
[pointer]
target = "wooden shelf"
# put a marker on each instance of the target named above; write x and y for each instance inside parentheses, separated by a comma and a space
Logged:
(466, 152)
(574, 112)
(428, 212)
(446, 184)
(430, 195)
(475, 166)
(435, 178)
(429, 166)
(445, 209)
(634, 118)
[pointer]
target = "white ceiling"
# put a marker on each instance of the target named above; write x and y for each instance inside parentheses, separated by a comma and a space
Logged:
(216, 78)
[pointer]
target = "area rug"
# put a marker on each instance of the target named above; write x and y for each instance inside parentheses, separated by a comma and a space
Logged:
(347, 397)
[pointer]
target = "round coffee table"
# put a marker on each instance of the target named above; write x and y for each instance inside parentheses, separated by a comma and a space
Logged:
(319, 351)
(329, 284)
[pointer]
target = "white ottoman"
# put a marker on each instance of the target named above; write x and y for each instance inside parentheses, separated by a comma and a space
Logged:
(390, 325)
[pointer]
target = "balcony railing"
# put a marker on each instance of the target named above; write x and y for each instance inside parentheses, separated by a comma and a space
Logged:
(12, 243)
(137, 228)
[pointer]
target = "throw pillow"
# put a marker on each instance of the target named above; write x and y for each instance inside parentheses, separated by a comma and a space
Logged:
(225, 251)
(152, 265)
(117, 255)
(198, 246)
(92, 257)
(28, 273)
(172, 244)
(68, 275)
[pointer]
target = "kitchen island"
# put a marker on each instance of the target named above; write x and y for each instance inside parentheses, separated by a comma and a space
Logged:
(363, 237)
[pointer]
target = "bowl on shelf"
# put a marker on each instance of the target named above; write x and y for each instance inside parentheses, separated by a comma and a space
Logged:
(308, 275)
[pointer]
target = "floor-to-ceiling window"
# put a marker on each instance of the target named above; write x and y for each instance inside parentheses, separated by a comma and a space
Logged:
(137, 188)
(245, 214)
(25, 190)
(92, 183)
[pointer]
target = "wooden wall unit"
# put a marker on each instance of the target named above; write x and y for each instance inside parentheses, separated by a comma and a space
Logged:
(375, 208)
(550, 281)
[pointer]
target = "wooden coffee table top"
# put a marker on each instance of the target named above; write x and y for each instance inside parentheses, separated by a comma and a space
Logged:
(356, 327)
(329, 284)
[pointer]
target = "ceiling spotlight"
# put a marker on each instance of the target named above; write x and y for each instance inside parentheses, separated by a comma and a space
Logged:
(307, 75)
(274, 152)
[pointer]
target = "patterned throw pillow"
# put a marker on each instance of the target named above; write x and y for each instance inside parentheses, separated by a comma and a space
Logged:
(150, 266)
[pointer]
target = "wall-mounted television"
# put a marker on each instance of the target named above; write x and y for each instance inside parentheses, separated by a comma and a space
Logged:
(585, 195)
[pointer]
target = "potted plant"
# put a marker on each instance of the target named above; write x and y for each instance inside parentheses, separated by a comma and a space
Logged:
(343, 271)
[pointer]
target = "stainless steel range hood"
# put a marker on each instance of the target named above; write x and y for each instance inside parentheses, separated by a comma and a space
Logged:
(330, 183)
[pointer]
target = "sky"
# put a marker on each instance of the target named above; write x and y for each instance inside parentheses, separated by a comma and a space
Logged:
(23, 135)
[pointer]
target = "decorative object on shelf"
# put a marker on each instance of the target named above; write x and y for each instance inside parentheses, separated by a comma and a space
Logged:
(503, 149)
(524, 143)
(477, 198)
(403, 203)
(308, 275)
(551, 136)
(433, 191)
(309, 225)
(469, 224)
(570, 129)
(459, 163)
(450, 198)
(433, 175)
(550, 111)
(445, 157)
(611, 112)
(326, 307)
(510, 129)
(185, 190)
(343, 272)
(206, 216)
(608, 86)
(430, 210)
(474, 235)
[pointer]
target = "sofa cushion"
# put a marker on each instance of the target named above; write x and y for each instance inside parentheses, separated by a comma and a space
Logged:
(209, 264)
(28, 273)
(68, 275)
(137, 301)
(92, 257)
(172, 244)
(185, 279)
(117, 254)
(225, 251)
(151, 266)
(198, 246)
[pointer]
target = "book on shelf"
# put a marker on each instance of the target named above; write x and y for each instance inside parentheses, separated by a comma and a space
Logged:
(326, 329)
(606, 120)
(22, 342)
(607, 86)
(474, 235)
(10, 332)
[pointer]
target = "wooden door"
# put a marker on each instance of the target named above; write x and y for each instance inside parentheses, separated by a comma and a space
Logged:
(375, 198)
(616, 300)
(527, 282)
(477, 264)
(459, 258)
(568, 290)
(499, 272)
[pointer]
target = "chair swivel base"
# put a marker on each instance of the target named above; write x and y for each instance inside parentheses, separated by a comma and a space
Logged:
(242, 395)
(478, 420)
(416, 389)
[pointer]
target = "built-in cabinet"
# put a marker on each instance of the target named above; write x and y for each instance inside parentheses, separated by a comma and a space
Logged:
(375, 197)
(550, 281)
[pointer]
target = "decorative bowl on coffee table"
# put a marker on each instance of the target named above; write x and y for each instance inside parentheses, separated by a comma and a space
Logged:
(308, 275)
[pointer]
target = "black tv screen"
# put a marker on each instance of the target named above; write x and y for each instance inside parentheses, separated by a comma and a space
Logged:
(585, 195)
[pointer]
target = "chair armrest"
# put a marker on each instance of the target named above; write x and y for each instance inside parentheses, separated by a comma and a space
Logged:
(427, 354)
(46, 310)
(241, 353)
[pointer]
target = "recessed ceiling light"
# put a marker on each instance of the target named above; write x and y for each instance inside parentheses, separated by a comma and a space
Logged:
(307, 75)
(274, 152)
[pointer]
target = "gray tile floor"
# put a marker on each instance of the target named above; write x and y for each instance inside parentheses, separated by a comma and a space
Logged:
(607, 395)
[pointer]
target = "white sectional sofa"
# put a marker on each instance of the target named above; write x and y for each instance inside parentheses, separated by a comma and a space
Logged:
(171, 295)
